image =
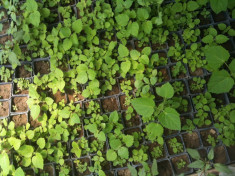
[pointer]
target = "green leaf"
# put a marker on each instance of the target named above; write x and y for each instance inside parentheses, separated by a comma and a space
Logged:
(143, 106)
(142, 14)
(216, 56)
(31, 5)
(134, 29)
(222, 168)
(13, 59)
(232, 68)
(233, 14)
(211, 154)
(218, 5)
(148, 26)
(192, 6)
(65, 113)
(34, 18)
(221, 39)
(49, 101)
(154, 130)
(37, 161)
(77, 26)
(122, 19)
(129, 140)
(19, 172)
(123, 152)
(197, 164)
(115, 144)
(114, 117)
(132, 170)
(144, 59)
(14, 142)
(232, 116)
(134, 54)
(67, 44)
(111, 155)
(35, 111)
(30, 134)
(170, 119)
(82, 77)
(65, 32)
(74, 119)
(26, 151)
(154, 168)
(125, 67)
(208, 39)
(4, 163)
(193, 153)
(41, 143)
(220, 82)
(123, 51)
(165, 91)
(101, 136)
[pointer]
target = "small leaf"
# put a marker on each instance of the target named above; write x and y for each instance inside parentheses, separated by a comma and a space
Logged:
(123, 152)
(211, 154)
(193, 153)
(19, 172)
(35, 111)
(4, 163)
(123, 51)
(197, 164)
(77, 26)
(34, 18)
(165, 91)
(154, 168)
(41, 143)
(111, 155)
(132, 170)
(134, 29)
(232, 68)
(192, 6)
(67, 44)
(122, 19)
(37, 161)
(221, 39)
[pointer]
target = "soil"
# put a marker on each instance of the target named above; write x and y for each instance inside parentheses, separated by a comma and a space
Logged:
(131, 131)
(204, 21)
(114, 91)
(20, 120)
(191, 140)
(134, 121)
(109, 173)
(219, 99)
(231, 152)
(137, 47)
(42, 67)
(157, 46)
(49, 169)
(168, 132)
(105, 165)
(29, 172)
(122, 102)
(109, 104)
(5, 28)
(164, 74)
(20, 103)
(220, 155)
(176, 160)
(59, 96)
(87, 172)
(197, 72)
(5, 91)
(164, 168)
(4, 39)
(228, 45)
(124, 172)
(21, 72)
(204, 135)
(18, 91)
(63, 67)
(170, 150)
(4, 108)
(129, 46)
(72, 96)
(151, 148)
(219, 17)
(91, 139)
(34, 123)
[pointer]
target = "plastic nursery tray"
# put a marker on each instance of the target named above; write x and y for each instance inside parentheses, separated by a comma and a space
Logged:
(166, 162)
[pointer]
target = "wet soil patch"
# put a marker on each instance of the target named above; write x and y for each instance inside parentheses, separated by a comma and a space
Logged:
(4, 108)
(157, 46)
(86, 172)
(4, 39)
(168, 132)
(164, 168)
(48, 169)
(134, 121)
(19, 104)
(20, 120)
(5, 28)
(205, 134)
(73, 96)
(109, 104)
(197, 72)
(151, 150)
(5, 91)
(122, 100)
(220, 155)
(59, 96)
(204, 21)
(184, 168)
(42, 67)
(191, 140)
(124, 172)
(114, 91)
(22, 72)
(219, 17)
(231, 152)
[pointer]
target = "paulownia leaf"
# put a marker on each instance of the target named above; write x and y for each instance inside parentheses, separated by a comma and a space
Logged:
(170, 119)
(143, 106)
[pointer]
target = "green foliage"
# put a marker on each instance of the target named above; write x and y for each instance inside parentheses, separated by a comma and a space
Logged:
(176, 146)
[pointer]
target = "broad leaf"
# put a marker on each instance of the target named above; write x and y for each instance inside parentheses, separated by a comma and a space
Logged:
(4, 163)
(218, 5)
(19, 172)
(37, 161)
(35, 111)
(122, 19)
(197, 164)
(170, 119)
(143, 106)
(193, 153)
(111, 155)
(123, 51)
(77, 26)
(165, 91)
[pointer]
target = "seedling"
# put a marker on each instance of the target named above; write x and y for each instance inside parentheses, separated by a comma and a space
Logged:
(176, 146)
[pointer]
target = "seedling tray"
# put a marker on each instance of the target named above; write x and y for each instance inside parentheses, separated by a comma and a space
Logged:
(166, 165)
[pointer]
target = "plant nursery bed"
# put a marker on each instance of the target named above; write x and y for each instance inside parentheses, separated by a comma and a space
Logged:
(117, 88)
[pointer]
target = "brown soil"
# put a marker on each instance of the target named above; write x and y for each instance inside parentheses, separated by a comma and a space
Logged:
(134, 121)
(20, 120)
(205, 134)
(228, 45)
(105, 165)
(29, 172)
(137, 47)
(20, 103)
(109, 173)
(195, 91)
(170, 150)
(122, 102)
(5, 91)
(34, 123)
(197, 72)
(4, 39)
(59, 96)
(72, 96)
(191, 140)
(168, 132)
(204, 21)
(18, 91)
(219, 99)
(109, 104)
(42, 67)
(21, 72)
(231, 152)
(5, 28)
(114, 91)
(87, 172)
(129, 46)
(4, 108)
(176, 160)
(219, 17)
(63, 67)
(157, 46)
(164, 74)
(124, 172)
(164, 168)
(131, 131)
(220, 155)
(151, 148)
(49, 169)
